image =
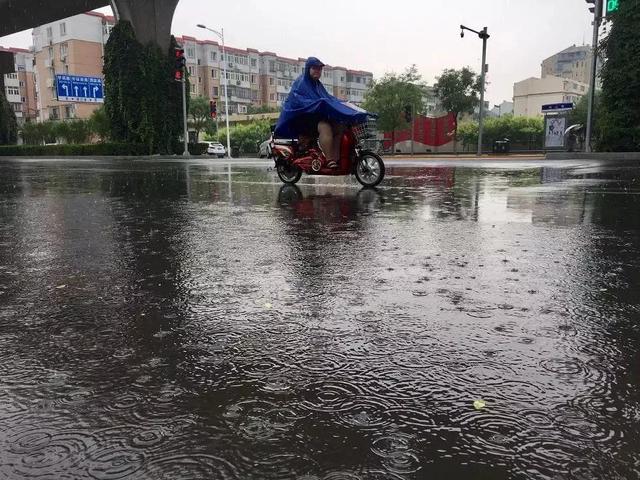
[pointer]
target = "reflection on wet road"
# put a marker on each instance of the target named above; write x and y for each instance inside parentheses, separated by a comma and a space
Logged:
(165, 320)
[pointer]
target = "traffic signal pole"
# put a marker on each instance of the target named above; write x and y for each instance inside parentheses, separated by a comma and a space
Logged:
(597, 18)
(184, 116)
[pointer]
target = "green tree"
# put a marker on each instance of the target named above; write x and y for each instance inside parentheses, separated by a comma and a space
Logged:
(458, 91)
(391, 95)
(99, 124)
(200, 116)
(620, 117)
(143, 102)
(247, 137)
(8, 122)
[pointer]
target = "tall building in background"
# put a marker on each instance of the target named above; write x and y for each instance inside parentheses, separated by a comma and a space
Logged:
(529, 95)
(74, 46)
(259, 79)
(20, 87)
(573, 63)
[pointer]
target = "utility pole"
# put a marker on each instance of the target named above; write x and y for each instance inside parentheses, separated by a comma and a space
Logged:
(484, 35)
(597, 18)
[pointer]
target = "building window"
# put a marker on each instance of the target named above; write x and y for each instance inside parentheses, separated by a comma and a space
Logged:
(51, 53)
(64, 49)
(253, 79)
(22, 83)
(17, 107)
(272, 97)
(214, 73)
(191, 53)
(68, 111)
(215, 91)
(54, 113)
(63, 29)
(271, 81)
(214, 56)
(49, 32)
(12, 75)
(254, 63)
(13, 91)
(272, 66)
(193, 88)
(66, 69)
(190, 70)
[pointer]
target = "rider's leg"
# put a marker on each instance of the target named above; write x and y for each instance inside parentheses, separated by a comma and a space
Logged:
(338, 131)
(326, 140)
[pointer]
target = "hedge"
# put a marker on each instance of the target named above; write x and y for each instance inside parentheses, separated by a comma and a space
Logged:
(89, 150)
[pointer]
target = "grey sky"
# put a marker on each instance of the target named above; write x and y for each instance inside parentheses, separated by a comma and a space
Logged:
(382, 36)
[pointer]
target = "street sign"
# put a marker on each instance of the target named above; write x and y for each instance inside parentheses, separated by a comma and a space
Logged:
(72, 88)
(557, 107)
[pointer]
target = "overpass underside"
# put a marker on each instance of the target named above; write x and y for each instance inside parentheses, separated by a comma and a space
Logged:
(18, 15)
(151, 19)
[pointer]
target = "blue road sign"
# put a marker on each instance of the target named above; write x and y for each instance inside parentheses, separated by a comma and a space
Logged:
(72, 88)
(557, 107)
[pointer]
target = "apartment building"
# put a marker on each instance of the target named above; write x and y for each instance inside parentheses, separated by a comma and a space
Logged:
(529, 95)
(20, 86)
(573, 63)
(74, 46)
(259, 79)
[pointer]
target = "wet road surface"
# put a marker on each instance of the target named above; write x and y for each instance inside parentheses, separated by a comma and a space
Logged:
(164, 320)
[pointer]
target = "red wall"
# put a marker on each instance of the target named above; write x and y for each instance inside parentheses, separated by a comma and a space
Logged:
(430, 131)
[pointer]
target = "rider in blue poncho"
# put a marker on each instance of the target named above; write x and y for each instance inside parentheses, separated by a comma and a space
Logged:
(311, 111)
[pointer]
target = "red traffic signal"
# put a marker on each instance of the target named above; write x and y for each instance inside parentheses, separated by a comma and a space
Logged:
(213, 109)
(180, 63)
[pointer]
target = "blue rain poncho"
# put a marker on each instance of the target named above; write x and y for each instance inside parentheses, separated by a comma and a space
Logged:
(309, 101)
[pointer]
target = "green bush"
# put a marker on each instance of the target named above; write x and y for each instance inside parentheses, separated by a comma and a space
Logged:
(522, 132)
(98, 149)
(90, 150)
(245, 138)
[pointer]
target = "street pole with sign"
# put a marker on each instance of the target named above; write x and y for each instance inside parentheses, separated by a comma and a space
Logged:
(597, 18)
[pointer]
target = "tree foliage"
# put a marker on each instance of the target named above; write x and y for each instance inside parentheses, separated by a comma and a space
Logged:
(389, 96)
(200, 116)
(523, 132)
(246, 137)
(143, 102)
(8, 122)
(458, 91)
(99, 124)
(619, 122)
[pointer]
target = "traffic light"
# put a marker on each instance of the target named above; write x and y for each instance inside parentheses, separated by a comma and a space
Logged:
(213, 109)
(180, 63)
(408, 114)
(612, 6)
(593, 4)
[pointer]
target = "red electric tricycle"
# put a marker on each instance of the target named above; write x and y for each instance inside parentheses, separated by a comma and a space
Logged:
(292, 159)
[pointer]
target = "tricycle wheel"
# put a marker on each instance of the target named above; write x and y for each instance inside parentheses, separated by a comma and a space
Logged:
(288, 173)
(369, 169)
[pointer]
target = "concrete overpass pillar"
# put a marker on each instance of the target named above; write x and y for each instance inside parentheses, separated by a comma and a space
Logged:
(151, 19)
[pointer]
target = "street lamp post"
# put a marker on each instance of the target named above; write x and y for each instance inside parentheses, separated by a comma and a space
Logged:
(484, 35)
(226, 83)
